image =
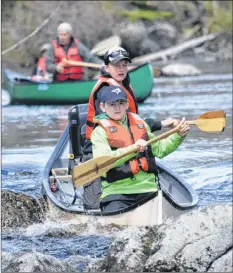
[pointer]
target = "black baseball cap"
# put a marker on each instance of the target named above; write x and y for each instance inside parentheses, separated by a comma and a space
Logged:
(115, 54)
(112, 93)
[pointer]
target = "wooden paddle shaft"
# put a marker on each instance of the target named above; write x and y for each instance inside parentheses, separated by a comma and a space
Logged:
(94, 168)
(71, 62)
(149, 142)
(92, 65)
(190, 122)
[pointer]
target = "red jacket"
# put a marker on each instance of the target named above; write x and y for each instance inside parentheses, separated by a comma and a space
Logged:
(91, 107)
(41, 66)
(120, 137)
(70, 71)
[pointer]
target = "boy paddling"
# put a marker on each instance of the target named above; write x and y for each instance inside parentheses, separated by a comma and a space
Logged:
(117, 131)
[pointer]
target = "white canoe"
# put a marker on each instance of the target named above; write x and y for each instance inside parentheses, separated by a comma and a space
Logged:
(175, 197)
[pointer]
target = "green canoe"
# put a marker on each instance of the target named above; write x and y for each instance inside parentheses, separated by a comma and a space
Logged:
(20, 89)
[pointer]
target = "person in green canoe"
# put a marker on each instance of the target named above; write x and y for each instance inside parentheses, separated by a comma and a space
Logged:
(39, 69)
(115, 132)
(65, 46)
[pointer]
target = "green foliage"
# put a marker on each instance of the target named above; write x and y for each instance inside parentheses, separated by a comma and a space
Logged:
(220, 18)
(107, 5)
(142, 4)
(149, 15)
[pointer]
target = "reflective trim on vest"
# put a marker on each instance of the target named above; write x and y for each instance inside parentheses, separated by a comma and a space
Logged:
(70, 71)
(120, 137)
(91, 105)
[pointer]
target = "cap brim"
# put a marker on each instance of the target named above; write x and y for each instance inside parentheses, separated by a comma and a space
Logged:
(114, 99)
(116, 60)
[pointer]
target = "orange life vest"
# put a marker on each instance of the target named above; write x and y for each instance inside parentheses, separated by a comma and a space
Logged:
(91, 113)
(41, 66)
(70, 71)
(120, 137)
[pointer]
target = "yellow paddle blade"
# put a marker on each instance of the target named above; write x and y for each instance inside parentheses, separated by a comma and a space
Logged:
(211, 125)
(212, 121)
(92, 169)
(213, 114)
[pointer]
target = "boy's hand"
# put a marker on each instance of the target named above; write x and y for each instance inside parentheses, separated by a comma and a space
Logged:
(169, 122)
(184, 128)
(142, 144)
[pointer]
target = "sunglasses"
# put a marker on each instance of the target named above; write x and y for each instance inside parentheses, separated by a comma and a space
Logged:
(118, 52)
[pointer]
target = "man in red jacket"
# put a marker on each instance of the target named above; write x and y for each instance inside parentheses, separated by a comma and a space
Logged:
(67, 47)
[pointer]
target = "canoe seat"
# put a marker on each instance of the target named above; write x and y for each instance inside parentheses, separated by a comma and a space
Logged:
(61, 171)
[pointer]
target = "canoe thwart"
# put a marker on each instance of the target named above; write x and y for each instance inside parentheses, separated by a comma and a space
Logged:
(61, 177)
(61, 170)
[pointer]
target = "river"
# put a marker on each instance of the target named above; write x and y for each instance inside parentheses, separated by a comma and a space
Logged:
(204, 160)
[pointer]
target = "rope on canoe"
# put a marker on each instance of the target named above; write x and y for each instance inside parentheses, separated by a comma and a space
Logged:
(34, 32)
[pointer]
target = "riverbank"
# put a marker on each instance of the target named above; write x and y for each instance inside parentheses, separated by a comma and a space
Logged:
(144, 28)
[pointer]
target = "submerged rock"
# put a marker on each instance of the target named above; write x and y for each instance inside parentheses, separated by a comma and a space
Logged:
(37, 262)
(179, 69)
(199, 241)
(5, 258)
(84, 263)
(21, 210)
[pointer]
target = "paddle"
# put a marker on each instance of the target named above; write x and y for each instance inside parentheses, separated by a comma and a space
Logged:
(96, 167)
(100, 48)
(157, 72)
(213, 121)
(84, 64)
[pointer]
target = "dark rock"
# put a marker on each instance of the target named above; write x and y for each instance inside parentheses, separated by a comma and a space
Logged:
(5, 258)
(149, 46)
(84, 264)
(163, 33)
(37, 262)
(129, 251)
(132, 35)
(21, 210)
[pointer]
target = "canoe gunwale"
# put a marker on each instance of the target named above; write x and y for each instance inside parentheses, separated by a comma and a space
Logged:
(26, 81)
(184, 184)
